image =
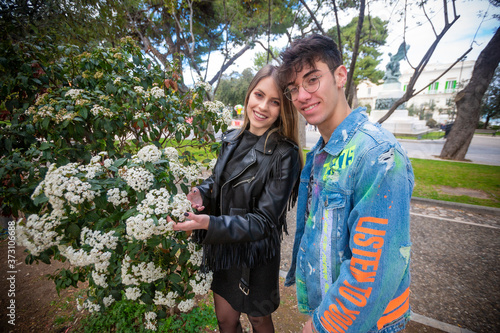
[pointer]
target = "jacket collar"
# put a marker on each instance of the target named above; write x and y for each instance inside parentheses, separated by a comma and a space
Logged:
(344, 132)
(262, 146)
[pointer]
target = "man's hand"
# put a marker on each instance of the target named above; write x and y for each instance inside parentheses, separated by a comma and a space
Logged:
(196, 200)
(193, 222)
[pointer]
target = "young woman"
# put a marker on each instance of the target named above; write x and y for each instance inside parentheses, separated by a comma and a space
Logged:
(245, 201)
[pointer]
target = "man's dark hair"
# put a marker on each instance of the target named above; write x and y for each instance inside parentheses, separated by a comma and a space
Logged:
(306, 52)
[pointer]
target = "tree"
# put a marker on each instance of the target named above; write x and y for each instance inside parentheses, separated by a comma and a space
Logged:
(372, 35)
(232, 90)
(194, 29)
(490, 106)
(469, 101)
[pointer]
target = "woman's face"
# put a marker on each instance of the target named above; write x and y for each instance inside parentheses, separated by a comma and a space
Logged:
(263, 106)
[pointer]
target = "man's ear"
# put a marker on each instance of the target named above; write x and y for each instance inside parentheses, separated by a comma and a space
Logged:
(340, 75)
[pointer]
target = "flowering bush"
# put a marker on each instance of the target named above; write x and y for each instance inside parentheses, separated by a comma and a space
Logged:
(101, 183)
(109, 219)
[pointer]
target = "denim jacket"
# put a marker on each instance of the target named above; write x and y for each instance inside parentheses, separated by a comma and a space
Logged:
(351, 255)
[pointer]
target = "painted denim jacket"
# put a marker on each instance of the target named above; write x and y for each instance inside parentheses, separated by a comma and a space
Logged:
(351, 256)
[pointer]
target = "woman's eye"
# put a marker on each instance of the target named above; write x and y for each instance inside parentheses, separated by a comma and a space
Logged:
(277, 103)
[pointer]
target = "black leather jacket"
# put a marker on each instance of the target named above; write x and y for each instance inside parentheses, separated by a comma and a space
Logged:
(247, 213)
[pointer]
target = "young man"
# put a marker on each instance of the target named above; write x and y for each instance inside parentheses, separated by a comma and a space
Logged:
(351, 256)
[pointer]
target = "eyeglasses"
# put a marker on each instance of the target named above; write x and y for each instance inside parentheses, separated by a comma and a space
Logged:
(310, 84)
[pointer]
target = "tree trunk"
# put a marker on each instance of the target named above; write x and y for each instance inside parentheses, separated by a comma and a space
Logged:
(468, 101)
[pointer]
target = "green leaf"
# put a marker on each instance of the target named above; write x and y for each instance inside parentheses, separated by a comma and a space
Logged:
(40, 199)
(73, 230)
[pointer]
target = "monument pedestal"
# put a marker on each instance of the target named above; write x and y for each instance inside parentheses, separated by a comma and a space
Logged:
(399, 122)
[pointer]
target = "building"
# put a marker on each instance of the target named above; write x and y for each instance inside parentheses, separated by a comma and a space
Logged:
(435, 99)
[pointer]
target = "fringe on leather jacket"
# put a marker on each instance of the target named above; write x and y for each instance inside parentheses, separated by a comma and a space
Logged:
(248, 211)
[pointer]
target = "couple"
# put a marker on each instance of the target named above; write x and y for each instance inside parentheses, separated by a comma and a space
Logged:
(352, 243)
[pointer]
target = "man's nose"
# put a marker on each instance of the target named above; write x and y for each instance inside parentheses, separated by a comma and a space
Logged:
(303, 94)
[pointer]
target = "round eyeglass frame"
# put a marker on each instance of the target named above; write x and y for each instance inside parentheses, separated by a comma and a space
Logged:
(288, 94)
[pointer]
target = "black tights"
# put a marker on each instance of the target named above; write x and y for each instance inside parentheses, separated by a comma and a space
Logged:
(229, 319)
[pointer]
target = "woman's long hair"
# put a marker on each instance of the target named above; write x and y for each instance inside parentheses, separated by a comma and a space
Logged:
(287, 122)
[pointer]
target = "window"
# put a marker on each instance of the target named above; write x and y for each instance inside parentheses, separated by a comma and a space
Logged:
(450, 86)
(433, 88)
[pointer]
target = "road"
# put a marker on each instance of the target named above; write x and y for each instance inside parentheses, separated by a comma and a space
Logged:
(482, 150)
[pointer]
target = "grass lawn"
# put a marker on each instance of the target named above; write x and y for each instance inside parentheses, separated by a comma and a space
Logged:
(449, 181)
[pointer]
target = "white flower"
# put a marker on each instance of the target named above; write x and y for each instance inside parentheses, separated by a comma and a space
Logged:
(139, 89)
(133, 293)
(205, 85)
(74, 93)
(167, 300)
(150, 320)
(117, 196)
(186, 305)
(108, 300)
(157, 92)
(201, 283)
(99, 279)
(149, 153)
(171, 153)
(212, 163)
(138, 178)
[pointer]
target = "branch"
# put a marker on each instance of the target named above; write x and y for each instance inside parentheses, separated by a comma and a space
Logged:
(339, 38)
(313, 17)
(229, 63)
(355, 52)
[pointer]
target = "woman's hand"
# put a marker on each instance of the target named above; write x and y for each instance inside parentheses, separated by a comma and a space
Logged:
(196, 200)
(193, 222)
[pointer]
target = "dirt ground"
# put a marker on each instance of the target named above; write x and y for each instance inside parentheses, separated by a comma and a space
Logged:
(38, 307)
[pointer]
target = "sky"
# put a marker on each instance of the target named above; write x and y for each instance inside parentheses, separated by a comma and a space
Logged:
(469, 30)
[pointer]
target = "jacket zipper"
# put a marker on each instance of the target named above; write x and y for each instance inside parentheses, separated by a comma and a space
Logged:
(222, 187)
(244, 181)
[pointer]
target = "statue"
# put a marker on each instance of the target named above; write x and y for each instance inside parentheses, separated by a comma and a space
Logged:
(392, 72)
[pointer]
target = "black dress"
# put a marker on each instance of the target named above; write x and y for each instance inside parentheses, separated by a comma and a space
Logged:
(263, 297)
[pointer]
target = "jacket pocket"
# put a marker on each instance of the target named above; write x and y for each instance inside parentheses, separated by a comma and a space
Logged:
(244, 181)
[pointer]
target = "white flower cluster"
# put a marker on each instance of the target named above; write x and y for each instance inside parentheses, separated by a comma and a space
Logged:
(74, 93)
(165, 299)
(99, 279)
(139, 89)
(133, 293)
(138, 178)
(190, 172)
(205, 85)
(211, 164)
(150, 153)
(108, 300)
(142, 115)
(99, 240)
(156, 202)
(215, 107)
(226, 116)
(140, 273)
(98, 110)
(142, 228)
(186, 305)
(81, 258)
(157, 92)
(180, 205)
(201, 283)
(39, 232)
(150, 323)
(171, 153)
(181, 127)
(92, 307)
(117, 197)
(117, 81)
(196, 251)
(60, 183)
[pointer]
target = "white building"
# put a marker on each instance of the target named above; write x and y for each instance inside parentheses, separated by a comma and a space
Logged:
(441, 93)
